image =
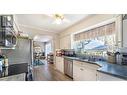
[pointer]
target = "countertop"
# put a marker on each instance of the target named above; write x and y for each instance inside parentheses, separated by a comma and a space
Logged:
(14, 69)
(116, 70)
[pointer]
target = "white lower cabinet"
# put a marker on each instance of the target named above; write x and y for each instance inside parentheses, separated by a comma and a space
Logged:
(78, 72)
(84, 71)
(90, 75)
(60, 64)
(106, 77)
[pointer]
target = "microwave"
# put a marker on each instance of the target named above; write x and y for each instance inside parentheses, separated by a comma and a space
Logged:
(7, 38)
(6, 21)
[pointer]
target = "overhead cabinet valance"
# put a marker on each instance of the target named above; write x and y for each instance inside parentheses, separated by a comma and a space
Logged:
(96, 32)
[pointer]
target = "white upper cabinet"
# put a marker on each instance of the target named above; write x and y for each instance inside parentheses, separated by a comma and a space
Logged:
(125, 33)
(118, 29)
(65, 42)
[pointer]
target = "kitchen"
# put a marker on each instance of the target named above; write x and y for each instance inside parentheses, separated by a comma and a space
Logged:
(83, 47)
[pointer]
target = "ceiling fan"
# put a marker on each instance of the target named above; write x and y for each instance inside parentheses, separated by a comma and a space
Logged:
(59, 18)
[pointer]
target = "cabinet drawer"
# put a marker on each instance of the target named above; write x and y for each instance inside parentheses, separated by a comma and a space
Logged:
(86, 65)
(79, 63)
(91, 66)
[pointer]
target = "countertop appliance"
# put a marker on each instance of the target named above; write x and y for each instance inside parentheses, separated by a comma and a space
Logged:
(6, 21)
(69, 52)
(65, 52)
(68, 67)
(121, 56)
(59, 52)
(111, 57)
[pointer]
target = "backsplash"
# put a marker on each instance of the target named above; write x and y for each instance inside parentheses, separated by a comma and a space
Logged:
(21, 54)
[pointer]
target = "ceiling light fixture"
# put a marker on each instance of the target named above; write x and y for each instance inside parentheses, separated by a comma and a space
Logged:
(58, 21)
(58, 18)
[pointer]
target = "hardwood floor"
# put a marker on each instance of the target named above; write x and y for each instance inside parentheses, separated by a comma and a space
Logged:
(48, 72)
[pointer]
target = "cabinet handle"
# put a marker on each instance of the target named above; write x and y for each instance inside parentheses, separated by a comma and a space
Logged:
(81, 69)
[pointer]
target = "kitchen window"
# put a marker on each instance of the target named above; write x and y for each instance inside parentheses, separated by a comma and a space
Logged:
(98, 39)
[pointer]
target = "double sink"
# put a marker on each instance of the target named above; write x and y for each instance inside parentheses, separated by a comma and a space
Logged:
(91, 59)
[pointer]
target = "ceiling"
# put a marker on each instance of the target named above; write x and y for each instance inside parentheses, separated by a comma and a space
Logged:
(42, 38)
(45, 22)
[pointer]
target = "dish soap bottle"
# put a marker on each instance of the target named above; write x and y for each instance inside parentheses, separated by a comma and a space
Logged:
(5, 61)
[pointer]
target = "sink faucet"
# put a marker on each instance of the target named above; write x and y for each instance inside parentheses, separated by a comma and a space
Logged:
(91, 58)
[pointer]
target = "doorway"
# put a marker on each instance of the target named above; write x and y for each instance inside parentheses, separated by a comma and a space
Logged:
(48, 48)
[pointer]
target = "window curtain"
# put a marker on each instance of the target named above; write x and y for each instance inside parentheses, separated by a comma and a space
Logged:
(105, 30)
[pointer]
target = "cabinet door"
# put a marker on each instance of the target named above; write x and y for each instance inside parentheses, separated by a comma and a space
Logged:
(57, 63)
(61, 43)
(68, 42)
(78, 73)
(60, 64)
(90, 74)
(65, 42)
(125, 33)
